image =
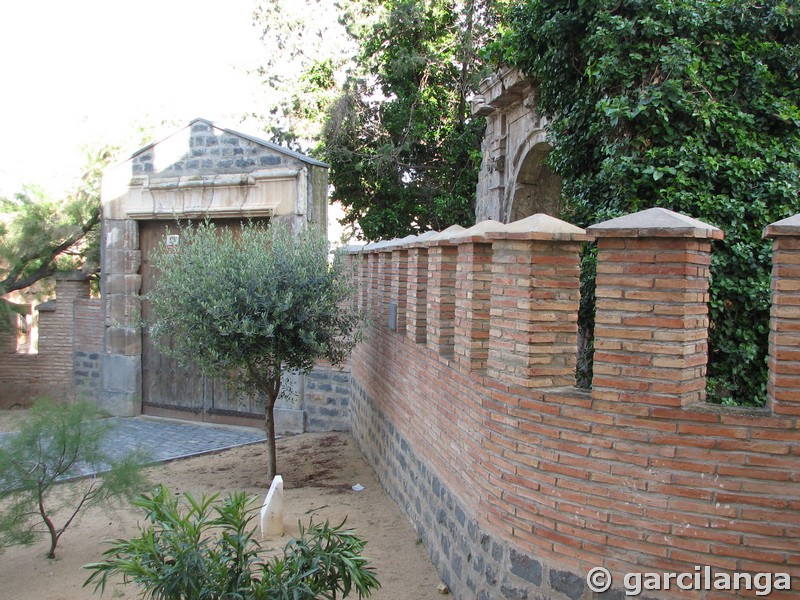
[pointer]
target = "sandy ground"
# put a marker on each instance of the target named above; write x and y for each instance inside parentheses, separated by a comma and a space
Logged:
(318, 472)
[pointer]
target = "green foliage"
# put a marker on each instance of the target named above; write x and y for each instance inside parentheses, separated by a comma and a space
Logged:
(58, 442)
(403, 148)
(691, 105)
(209, 551)
(40, 235)
(177, 555)
(306, 53)
(248, 305)
(322, 562)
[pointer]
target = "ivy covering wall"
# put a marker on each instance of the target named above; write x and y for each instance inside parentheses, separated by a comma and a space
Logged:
(691, 105)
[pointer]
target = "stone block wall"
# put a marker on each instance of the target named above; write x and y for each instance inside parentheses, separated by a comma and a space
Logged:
(88, 348)
(212, 151)
(326, 400)
(519, 490)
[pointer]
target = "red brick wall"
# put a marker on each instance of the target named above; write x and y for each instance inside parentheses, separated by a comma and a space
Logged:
(639, 475)
(73, 326)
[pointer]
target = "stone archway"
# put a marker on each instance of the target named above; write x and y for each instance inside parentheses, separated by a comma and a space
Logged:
(536, 189)
(514, 182)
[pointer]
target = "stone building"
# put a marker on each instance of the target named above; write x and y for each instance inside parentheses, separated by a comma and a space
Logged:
(201, 172)
(514, 182)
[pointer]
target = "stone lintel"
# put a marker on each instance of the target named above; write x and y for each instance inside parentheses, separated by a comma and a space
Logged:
(784, 227)
(655, 222)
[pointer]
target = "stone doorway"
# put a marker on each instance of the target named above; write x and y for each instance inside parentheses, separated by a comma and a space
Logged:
(203, 171)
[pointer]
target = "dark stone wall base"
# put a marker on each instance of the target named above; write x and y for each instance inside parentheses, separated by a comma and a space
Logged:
(471, 562)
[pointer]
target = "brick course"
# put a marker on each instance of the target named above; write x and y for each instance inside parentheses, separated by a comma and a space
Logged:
(518, 492)
(70, 342)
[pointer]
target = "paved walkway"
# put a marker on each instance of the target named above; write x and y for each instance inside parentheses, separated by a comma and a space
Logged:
(167, 439)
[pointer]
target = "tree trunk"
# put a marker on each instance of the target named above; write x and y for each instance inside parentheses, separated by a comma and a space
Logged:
(51, 528)
(269, 427)
(270, 385)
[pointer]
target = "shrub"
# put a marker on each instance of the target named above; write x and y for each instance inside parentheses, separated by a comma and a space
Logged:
(209, 551)
(57, 443)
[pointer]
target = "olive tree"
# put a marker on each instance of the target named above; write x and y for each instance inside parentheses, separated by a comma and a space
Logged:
(250, 304)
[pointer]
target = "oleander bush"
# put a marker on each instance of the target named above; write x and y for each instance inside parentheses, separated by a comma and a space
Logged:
(204, 549)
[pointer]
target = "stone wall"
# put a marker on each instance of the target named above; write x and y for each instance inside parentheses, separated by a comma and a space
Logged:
(70, 365)
(326, 399)
(210, 151)
(518, 483)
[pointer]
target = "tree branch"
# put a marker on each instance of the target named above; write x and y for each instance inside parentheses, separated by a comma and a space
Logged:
(13, 282)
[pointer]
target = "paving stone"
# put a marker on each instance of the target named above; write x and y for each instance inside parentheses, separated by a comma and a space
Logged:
(167, 439)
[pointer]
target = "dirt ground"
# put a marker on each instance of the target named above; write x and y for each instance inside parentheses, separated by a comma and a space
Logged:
(319, 471)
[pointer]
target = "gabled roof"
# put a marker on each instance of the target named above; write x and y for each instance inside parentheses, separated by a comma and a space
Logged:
(251, 138)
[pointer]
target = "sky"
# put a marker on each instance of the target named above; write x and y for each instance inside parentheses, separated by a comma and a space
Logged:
(88, 72)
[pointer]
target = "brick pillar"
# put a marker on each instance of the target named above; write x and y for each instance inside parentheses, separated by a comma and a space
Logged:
(353, 261)
(372, 284)
(417, 301)
(442, 256)
(57, 331)
(473, 295)
(71, 286)
(651, 323)
(535, 294)
(363, 281)
(441, 310)
(783, 386)
(400, 285)
(384, 285)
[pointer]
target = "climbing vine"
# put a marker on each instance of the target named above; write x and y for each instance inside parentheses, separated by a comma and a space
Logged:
(691, 105)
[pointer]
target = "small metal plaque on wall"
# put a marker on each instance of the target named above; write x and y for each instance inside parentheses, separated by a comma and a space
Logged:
(393, 316)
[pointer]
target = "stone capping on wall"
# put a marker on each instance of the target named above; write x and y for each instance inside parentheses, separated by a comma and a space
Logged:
(539, 227)
(661, 330)
(655, 222)
(784, 228)
(477, 233)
